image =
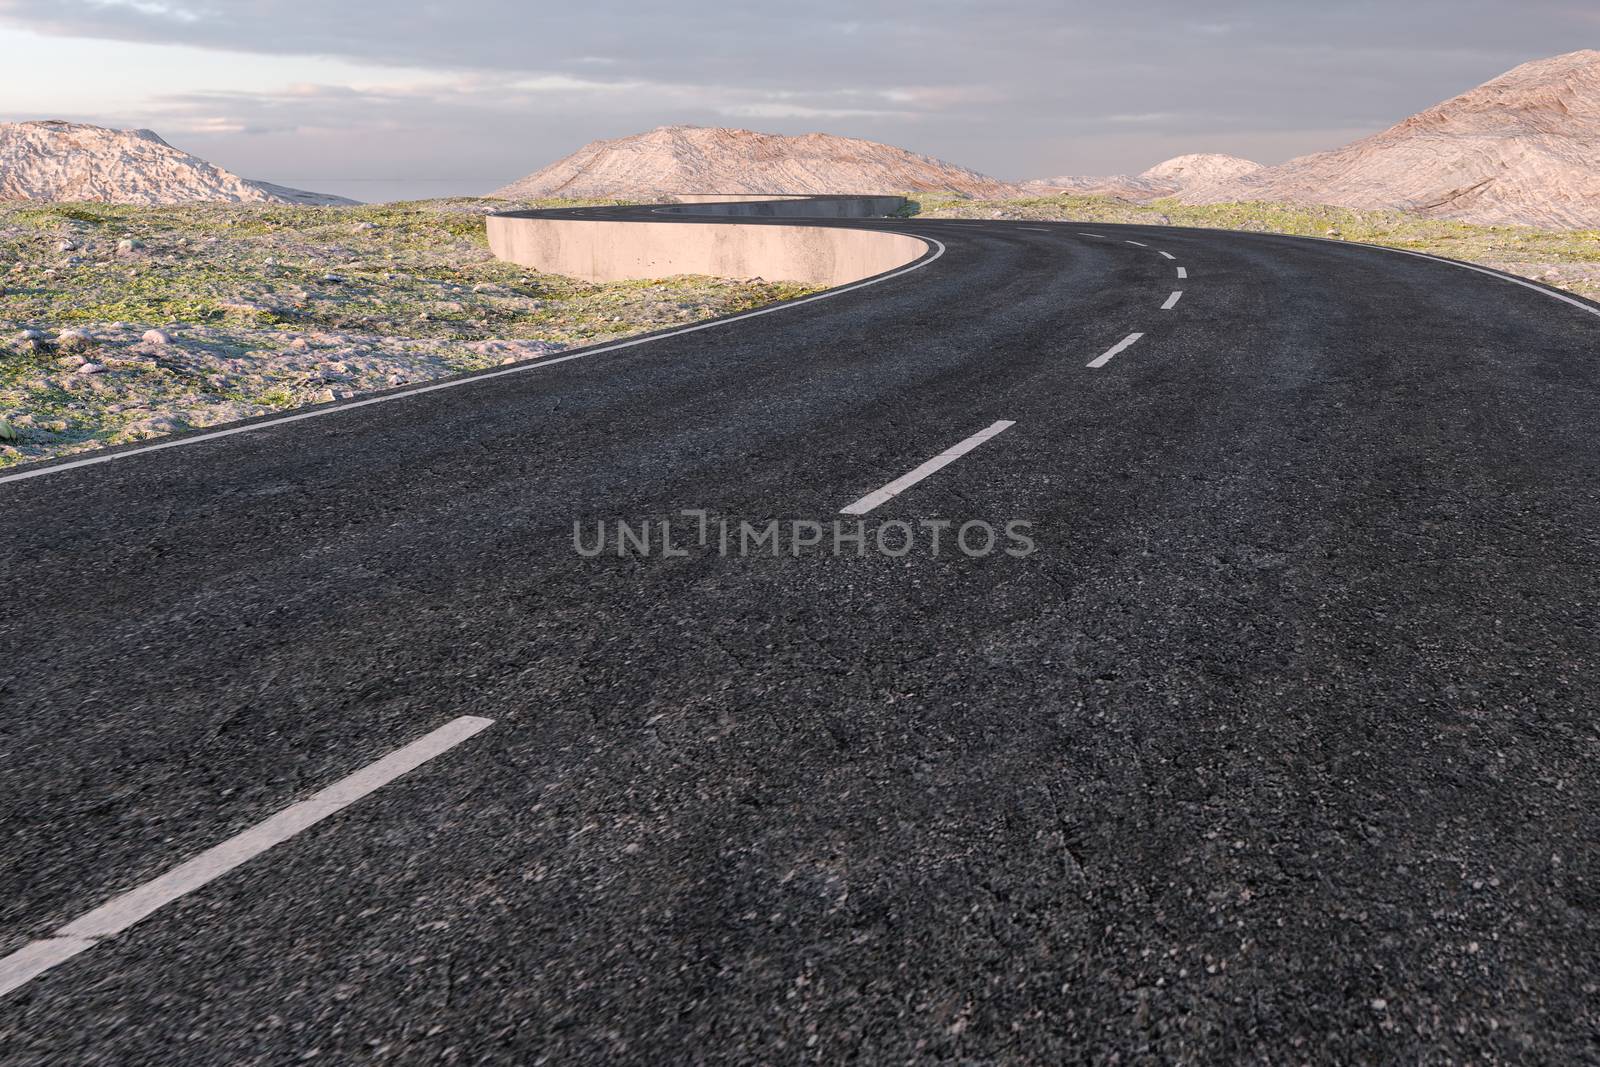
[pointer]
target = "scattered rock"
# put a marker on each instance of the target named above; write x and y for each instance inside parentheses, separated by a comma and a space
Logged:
(66, 246)
(513, 351)
(173, 373)
(8, 433)
(128, 246)
(154, 426)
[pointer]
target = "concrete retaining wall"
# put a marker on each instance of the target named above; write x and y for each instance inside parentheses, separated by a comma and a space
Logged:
(604, 250)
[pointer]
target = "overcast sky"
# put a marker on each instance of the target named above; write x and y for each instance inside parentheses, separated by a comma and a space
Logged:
(383, 98)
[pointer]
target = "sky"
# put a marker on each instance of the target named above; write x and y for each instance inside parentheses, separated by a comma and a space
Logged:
(386, 99)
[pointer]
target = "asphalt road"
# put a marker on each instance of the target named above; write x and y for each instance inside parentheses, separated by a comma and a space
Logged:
(1280, 747)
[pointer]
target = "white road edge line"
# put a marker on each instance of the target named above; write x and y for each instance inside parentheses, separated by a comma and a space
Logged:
(1127, 341)
(1183, 272)
(121, 912)
(453, 383)
(1138, 244)
(1546, 290)
(1169, 255)
(943, 459)
(1172, 301)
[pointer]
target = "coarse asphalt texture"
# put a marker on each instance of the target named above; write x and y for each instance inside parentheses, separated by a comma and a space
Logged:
(1281, 747)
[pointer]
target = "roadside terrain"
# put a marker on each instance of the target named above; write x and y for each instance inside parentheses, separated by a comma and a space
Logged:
(1566, 259)
(123, 323)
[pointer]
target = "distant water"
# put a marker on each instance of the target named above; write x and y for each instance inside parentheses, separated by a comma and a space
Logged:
(385, 190)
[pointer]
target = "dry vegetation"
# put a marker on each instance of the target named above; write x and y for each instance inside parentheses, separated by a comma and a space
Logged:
(124, 323)
(1567, 259)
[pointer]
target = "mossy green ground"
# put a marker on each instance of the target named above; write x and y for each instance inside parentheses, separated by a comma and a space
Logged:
(273, 307)
(1569, 260)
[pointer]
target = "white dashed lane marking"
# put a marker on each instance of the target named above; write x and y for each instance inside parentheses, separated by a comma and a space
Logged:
(942, 460)
(1126, 342)
(121, 912)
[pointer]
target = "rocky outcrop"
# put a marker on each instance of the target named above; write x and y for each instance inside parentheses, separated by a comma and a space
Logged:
(66, 161)
(1170, 178)
(692, 159)
(1521, 149)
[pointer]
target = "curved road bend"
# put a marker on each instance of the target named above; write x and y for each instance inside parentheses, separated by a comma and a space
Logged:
(1281, 745)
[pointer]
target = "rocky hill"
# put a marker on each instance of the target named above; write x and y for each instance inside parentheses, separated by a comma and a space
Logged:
(692, 159)
(1185, 172)
(1521, 149)
(67, 161)
(1170, 178)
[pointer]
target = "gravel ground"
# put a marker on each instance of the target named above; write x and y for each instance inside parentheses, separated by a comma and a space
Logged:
(119, 323)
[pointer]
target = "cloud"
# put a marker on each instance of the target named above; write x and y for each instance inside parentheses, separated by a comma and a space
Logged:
(1013, 87)
(1141, 119)
(152, 9)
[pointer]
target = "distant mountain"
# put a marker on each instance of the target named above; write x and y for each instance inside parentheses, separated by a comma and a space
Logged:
(69, 161)
(693, 159)
(1185, 172)
(1171, 178)
(1521, 149)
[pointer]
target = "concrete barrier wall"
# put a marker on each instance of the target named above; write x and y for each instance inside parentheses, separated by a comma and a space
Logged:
(729, 198)
(605, 250)
(793, 207)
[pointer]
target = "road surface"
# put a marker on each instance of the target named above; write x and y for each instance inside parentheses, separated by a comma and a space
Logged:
(1279, 746)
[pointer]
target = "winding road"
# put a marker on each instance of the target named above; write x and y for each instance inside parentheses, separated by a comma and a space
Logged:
(330, 739)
